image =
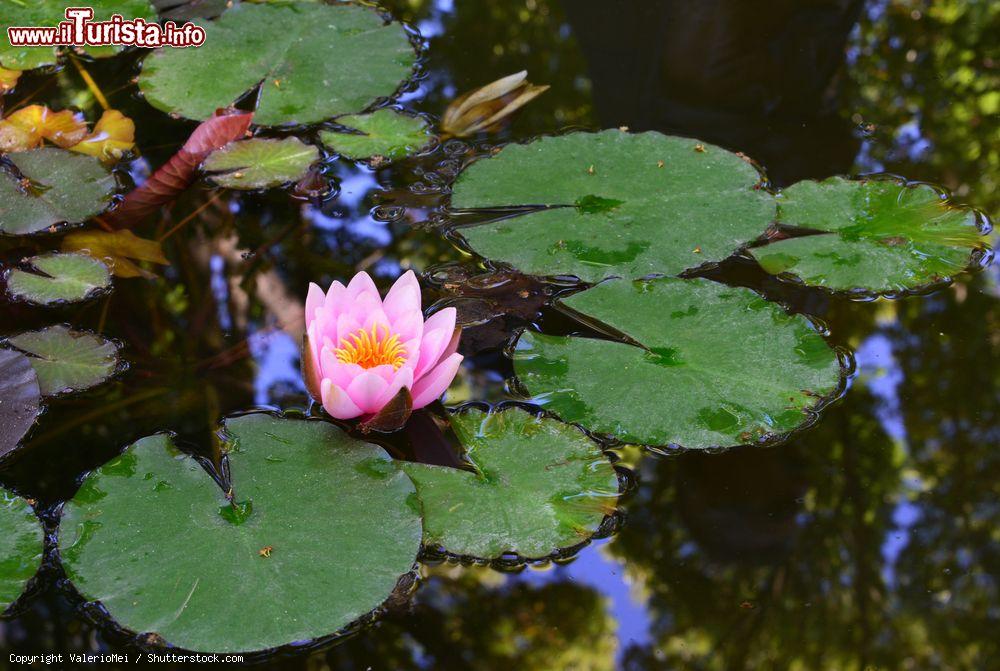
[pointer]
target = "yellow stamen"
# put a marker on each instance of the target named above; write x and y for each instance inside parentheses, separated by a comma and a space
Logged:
(368, 349)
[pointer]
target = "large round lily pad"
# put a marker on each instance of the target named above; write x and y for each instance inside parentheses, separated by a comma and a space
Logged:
(313, 60)
(67, 360)
(539, 486)
(42, 13)
(320, 529)
(712, 366)
(19, 399)
(21, 544)
(385, 133)
(880, 236)
(58, 278)
(617, 204)
(260, 163)
(61, 187)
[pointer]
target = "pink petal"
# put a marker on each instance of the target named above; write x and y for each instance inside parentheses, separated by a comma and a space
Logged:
(335, 296)
(338, 372)
(428, 388)
(442, 319)
(407, 326)
(431, 347)
(337, 402)
(361, 284)
(365, 391)
(403, 297)
(403, 378)
(346, 325)
(452, 345)
(314, 299)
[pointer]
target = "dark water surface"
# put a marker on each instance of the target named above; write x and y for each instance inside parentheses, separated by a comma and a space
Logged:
(870, 541)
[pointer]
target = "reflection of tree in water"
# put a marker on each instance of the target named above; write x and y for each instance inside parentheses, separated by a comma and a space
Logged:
(925, 73)
(470, 620)
(845, 547)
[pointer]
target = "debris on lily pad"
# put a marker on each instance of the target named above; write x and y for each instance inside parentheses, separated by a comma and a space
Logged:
(65, 360)
(49, 187)
(537, 486)
(310, 535)
(692, 363)
(383, 136)
(312, 62)
(260, 163)
(21, 546)
(878, 236)
(58, 278)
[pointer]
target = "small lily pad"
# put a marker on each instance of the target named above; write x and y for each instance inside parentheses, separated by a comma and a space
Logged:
(19, 399)
(21, 544)
(65, 360)
(385, 133)
(538, 486)
(707, 365)
(319, 530)
(59, 187)
(876, 236)
(613, 204)
(42, 13)
(313, 61)
(260, 163)
(64, 278)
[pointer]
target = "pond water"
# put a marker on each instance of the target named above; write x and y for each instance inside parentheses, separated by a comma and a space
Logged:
(868, 541)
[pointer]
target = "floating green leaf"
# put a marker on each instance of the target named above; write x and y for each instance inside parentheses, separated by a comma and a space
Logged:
(717, 366)
(617, 204)
(320, 529)
(19, 398)
(21, 543)
(385, 133)
(312, 60)
(66, 360)
(878, 236)
(62, 187)
(42, 13)
(539, 486)
(64, 278)
(259, 163)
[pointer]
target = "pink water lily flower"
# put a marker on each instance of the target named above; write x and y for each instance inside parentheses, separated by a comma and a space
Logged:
(363, 350)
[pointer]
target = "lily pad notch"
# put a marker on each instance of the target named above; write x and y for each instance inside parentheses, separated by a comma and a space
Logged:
(538, 488)
(691, 363)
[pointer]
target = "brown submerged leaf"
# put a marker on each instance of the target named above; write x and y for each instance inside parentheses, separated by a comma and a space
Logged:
(485, 108)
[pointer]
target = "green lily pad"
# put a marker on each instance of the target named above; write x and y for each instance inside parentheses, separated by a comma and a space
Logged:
(19, 399)
(876, 236)
(21, 544)
(65, 360)
(616, 204)
(315, 60)
(42, 13)
(260, 163)
(320, 529)
(713, 366)
(66, 278)
(539, 486)
(63, 187)
(385, 133)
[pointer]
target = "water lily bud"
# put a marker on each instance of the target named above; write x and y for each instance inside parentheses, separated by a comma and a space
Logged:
(485, 108)
(361, 350)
